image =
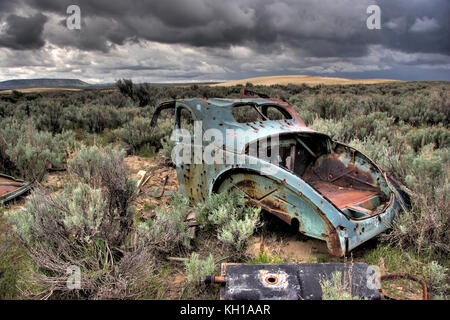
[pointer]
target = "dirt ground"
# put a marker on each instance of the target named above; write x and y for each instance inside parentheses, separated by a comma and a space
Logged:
(291, 249)
(155, 190)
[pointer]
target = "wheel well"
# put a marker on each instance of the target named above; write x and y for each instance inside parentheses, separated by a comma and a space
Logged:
(295, 224)
(228, 173)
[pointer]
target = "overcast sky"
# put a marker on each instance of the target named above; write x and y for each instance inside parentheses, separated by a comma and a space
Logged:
(201, 40)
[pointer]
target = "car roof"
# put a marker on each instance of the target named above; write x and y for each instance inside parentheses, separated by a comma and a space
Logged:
(216, 113)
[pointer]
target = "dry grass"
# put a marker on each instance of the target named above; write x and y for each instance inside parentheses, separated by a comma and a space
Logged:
(34, 90)
(300, 79)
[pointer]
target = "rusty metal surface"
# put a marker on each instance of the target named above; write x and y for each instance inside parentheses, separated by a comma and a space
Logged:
(290, 281)
(343, 197)
(11, 188)
(335, 192)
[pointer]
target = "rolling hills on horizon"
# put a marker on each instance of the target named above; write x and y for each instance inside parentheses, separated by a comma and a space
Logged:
(49, 83)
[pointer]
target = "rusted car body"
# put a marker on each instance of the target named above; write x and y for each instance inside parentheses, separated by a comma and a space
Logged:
(326, 189)
(11, 188)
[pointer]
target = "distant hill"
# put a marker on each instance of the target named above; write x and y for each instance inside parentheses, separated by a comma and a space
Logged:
(300, 79)
(45, 84)
(49, 84)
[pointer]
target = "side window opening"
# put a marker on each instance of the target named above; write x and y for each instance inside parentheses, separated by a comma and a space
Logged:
(164, 112)
(275, 113)
(167, 115)
(185, 120)
(246, 113)
(253, 113)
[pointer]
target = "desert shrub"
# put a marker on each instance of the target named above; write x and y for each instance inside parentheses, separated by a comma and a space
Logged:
(227, 214)
(125, 87)
(437, 279)
(96, 118)
(115, 99)
(7, 110)
(168, 230)
(374, 124)
(420, 109)
(49, 116)
(239, 228)
(104, 169)
(308, 117)
(146, 94)
(327, 107)
(426, 168)
(439, 136)
(138, 135)
(14, 263)
(227, 200)
(31, 151)
(9, 131)
(360, 127)
(335, 129)
(264, 257)
(127, 114)
(377, 103)
(67, 229)
(167, 146)
(88, 225)
(426, 225)
(135, 134)
(197, 269)
(385, 153)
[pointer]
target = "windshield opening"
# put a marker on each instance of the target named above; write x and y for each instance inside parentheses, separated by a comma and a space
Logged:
(244, 113)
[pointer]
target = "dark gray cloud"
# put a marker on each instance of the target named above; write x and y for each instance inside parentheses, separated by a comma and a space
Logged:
(321, 28)
(422, 26)
(290, 34)
(23, 33)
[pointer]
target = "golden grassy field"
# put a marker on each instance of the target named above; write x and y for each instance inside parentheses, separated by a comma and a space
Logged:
(31, 90)
(300, 79)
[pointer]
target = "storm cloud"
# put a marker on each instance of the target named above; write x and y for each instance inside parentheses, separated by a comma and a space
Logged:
(22, 33)
(223, 39)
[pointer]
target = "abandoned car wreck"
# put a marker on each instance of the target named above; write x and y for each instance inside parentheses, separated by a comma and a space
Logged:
(325, 189)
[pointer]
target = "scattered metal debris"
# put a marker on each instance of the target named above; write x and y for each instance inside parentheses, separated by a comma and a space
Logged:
(163, 188)
(11, 188)
(142, 180)
(177, 259)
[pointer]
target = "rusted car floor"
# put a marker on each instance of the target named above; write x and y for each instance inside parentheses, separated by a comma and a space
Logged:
(343, 197)
(7, 186)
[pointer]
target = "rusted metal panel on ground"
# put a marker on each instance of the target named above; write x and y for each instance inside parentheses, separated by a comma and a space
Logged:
(11, 188)
(292, 281)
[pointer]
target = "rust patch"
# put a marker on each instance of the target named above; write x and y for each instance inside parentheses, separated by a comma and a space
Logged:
(274, 208)
(343, 197)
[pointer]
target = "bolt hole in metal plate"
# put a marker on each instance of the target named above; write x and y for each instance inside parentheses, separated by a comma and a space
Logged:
(271, 280)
